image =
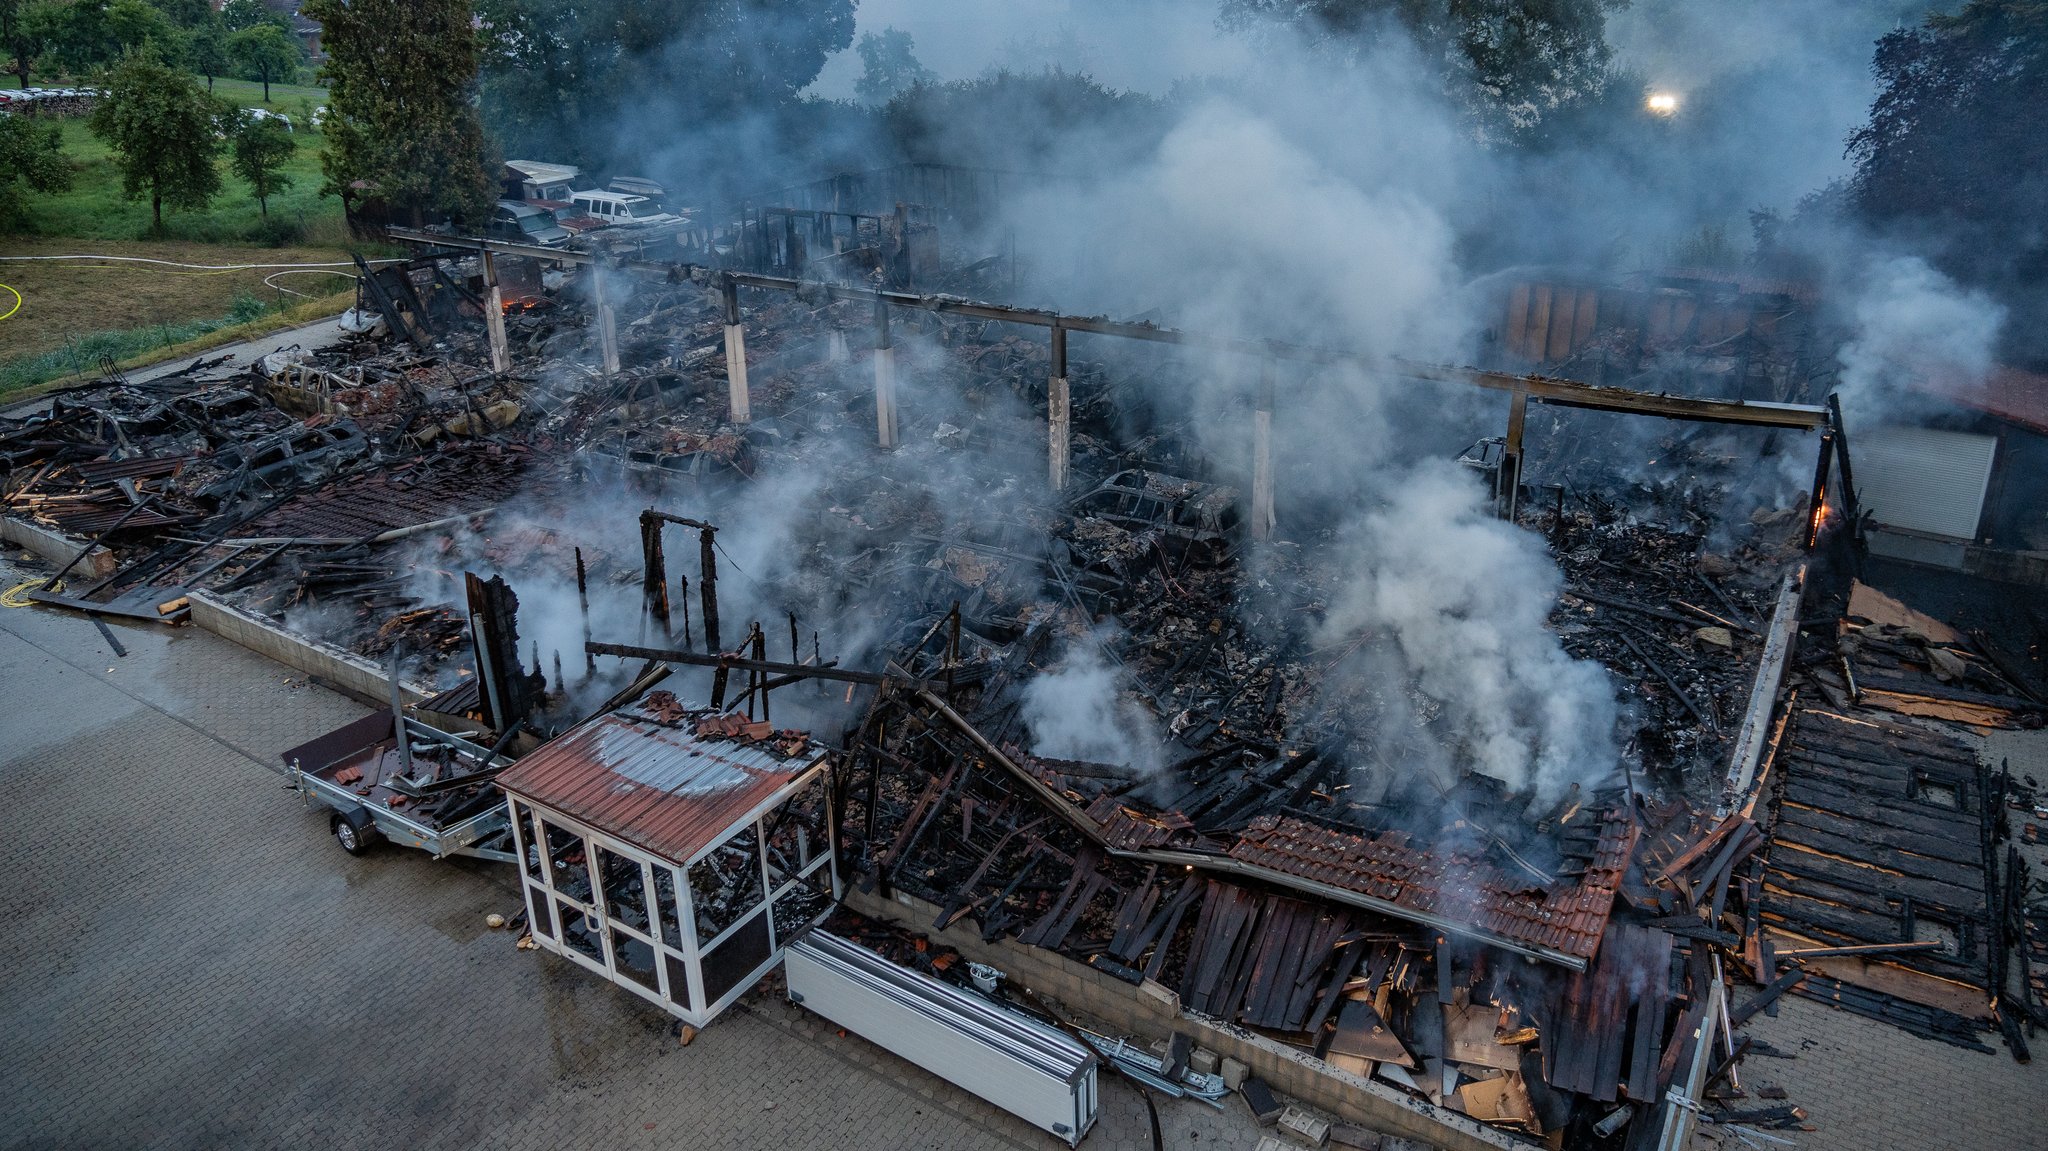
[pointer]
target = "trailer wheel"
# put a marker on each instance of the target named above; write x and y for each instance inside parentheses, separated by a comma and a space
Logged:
(354, 830)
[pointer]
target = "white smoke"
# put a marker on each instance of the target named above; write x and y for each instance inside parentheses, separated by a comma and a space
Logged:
(1464, 597)
(1077, 711)
(1913, 324)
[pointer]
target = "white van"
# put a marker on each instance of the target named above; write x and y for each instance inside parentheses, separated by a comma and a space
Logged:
(618, 208)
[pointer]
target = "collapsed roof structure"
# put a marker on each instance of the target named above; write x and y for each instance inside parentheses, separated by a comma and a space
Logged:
(1091, 686)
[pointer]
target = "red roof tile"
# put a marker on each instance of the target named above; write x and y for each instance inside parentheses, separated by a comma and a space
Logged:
(1458, 883)
(2008, 393)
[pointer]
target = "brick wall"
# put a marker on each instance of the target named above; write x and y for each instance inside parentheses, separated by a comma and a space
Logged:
(1148, 1014)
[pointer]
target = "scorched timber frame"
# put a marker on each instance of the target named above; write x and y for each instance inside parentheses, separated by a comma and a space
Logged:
(1521, 388)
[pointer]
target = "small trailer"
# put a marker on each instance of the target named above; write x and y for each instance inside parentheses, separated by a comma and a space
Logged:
(429, 790)
(1033, 1071)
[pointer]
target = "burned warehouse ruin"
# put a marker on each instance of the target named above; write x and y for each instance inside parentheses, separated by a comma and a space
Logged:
(1443, 743)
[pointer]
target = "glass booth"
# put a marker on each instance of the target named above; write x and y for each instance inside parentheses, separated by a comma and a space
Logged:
(689, 933)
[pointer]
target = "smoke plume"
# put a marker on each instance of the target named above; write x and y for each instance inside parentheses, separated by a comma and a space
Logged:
(1464, 596)
(1077, 710)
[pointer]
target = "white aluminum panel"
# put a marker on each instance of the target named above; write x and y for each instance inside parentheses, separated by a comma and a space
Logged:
(1013, 1062)
(1923, 480)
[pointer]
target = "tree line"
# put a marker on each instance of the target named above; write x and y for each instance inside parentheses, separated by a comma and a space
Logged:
(167, 136)
(245, 38)
(1950, 151)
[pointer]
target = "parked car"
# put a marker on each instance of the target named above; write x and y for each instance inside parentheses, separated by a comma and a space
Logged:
(569, 216)
(525, 223)
(617, 209)
(267, 114)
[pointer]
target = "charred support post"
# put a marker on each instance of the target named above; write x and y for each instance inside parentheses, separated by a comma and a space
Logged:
(494, 317)
(740, 406)
(1852, 515)
(1508, 481)
(651, 521)
(583, 602)
(654, 572)
(607, 323)
(1816, 505)
(506, 690)
(885, 378)
(1262, 452)
(1058, 413)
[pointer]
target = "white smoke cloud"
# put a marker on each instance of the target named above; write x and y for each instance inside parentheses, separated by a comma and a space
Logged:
(1464, 598)
(1913, 323)
(1078, 711)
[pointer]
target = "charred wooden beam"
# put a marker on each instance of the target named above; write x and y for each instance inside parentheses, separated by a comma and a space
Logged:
(731, 662)
(1566, 393)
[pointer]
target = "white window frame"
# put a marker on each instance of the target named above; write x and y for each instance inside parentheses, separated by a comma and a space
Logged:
(550, 933)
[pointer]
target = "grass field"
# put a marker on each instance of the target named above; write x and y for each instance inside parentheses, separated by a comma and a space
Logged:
(72, 312)
(94, 208)
(64, 301)
(81, 359)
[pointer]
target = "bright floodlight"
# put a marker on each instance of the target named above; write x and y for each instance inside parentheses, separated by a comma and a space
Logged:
(1662, 103)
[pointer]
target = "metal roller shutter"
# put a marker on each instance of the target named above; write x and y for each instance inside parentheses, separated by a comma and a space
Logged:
(1924, 480)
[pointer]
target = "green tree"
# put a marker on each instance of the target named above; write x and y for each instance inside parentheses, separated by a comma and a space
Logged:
(239, 14)
(31, 157)
(86, 35)
(261, 148)
(888, 65)
(24, 31)
(265, 52)
(587, 82)
(164, 132)
(399, 118)
(206, 49)
(1512, 61)
(185, 13)
(1020, 120)
(1954, 149)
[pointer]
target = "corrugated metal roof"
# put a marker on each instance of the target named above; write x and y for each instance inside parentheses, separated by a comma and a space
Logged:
(659, 787)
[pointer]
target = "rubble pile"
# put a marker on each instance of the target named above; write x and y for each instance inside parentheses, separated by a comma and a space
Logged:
(1256, 817)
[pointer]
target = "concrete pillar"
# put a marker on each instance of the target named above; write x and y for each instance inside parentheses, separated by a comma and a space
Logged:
(885, 379)
(740, 407)
(1262, 455)
(1508, 481)
(494, 318)
(1058, 414)
(835, 347)
(607, 323)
